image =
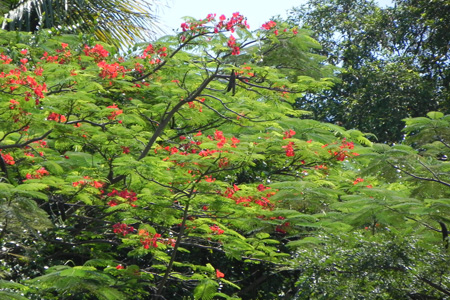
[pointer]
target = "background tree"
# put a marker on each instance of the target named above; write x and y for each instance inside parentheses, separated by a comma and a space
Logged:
(393, 62)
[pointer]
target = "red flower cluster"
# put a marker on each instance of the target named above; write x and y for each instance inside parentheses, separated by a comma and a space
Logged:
(229, 192)
(246, 69)
(97, 52)
(5, 59)
(289, 149)
(38, 89)
(236, 20)
(219, 274)
(358, 180)
(261, 201)
(209, 178)
(223, 162)
(115, 112)
(216, 230)
(192, 104)
(155, 54)
(49, 58)
(342, 153)
(8, 159)
(96, 184)
(38, 174)
(269, 25)
(235, 50)
(261, 187)
(288, 134)
(56, 117)
(123, 229)
(218, 136)
(110, 71)
(129, 196)
(283, 228)
(15, 80)
(125, 150)
(148, 239)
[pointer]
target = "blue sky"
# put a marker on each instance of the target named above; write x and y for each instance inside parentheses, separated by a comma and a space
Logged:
(256, 11)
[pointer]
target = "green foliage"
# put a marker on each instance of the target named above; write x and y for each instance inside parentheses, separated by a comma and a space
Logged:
(394, 63)
(76, 281)
(186, 171)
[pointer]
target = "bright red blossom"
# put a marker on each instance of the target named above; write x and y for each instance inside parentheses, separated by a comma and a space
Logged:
(38, 174)
(125, 150)
(289, 149)
(93, 183)
(129, 196)
(149, 239)
(8, 159)
(268, 25)
(219, 274)
(5, 59)
(115, 112)
(123, 229)
(288, 134)
(56, 117)
(97, 52)
(358, 180)
(216, 230)
(110, 71)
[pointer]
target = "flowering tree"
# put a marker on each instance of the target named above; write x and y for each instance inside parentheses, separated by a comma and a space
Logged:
(179, 171)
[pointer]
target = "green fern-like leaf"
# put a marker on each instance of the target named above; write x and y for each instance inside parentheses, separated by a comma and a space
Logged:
(206, 289)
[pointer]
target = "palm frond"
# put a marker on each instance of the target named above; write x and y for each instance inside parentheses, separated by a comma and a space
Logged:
(114, 21)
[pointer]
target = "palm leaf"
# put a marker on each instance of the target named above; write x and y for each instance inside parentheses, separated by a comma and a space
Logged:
(114, 21)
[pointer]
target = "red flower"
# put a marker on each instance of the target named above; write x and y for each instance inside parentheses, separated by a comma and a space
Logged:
(114, 113)
(261, 187)
(56, 117)
(39, 71)
(123, 229)
(358, 180)
(130, 196)
(223, 162)
(39, 173)
(234, 142)
(289, 149)
(269, 25)
(125, 150)
(209, 179)
(151, 240)
(120, 267)
(216, 230)
(219, 274)
(288, 134)
(8, 159)
(98, 52)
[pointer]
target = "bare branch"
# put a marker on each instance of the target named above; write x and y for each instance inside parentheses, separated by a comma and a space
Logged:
(27, 142)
